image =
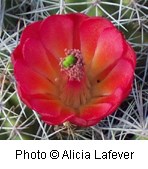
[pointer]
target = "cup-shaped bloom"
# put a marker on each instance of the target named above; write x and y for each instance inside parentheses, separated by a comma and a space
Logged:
(73, 68)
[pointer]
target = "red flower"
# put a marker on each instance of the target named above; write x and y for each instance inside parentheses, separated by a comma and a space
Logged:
(73, 68)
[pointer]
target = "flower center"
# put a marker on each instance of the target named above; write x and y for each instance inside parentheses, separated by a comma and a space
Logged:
(73, 65)
(75, 89)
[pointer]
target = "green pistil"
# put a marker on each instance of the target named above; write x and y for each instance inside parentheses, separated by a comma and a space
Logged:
(69, 61)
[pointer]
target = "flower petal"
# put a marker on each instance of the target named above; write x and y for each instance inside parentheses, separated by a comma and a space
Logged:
(90, 31)
(91, 113)
(77, 20)
(97, 109)
(31, 81)
(57, 120)
(16, 54)
(57, 34)
(120, 76)
(46, 107)
(27, 98)
(130, 55)
(60, 32)
(114, 99)
(36, 58)
(53, 112)
(110, 48)
(31, 31)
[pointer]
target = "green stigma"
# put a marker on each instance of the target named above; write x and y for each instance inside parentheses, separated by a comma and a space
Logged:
(69, 61)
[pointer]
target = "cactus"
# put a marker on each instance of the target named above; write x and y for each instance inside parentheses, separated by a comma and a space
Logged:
(130, 121)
